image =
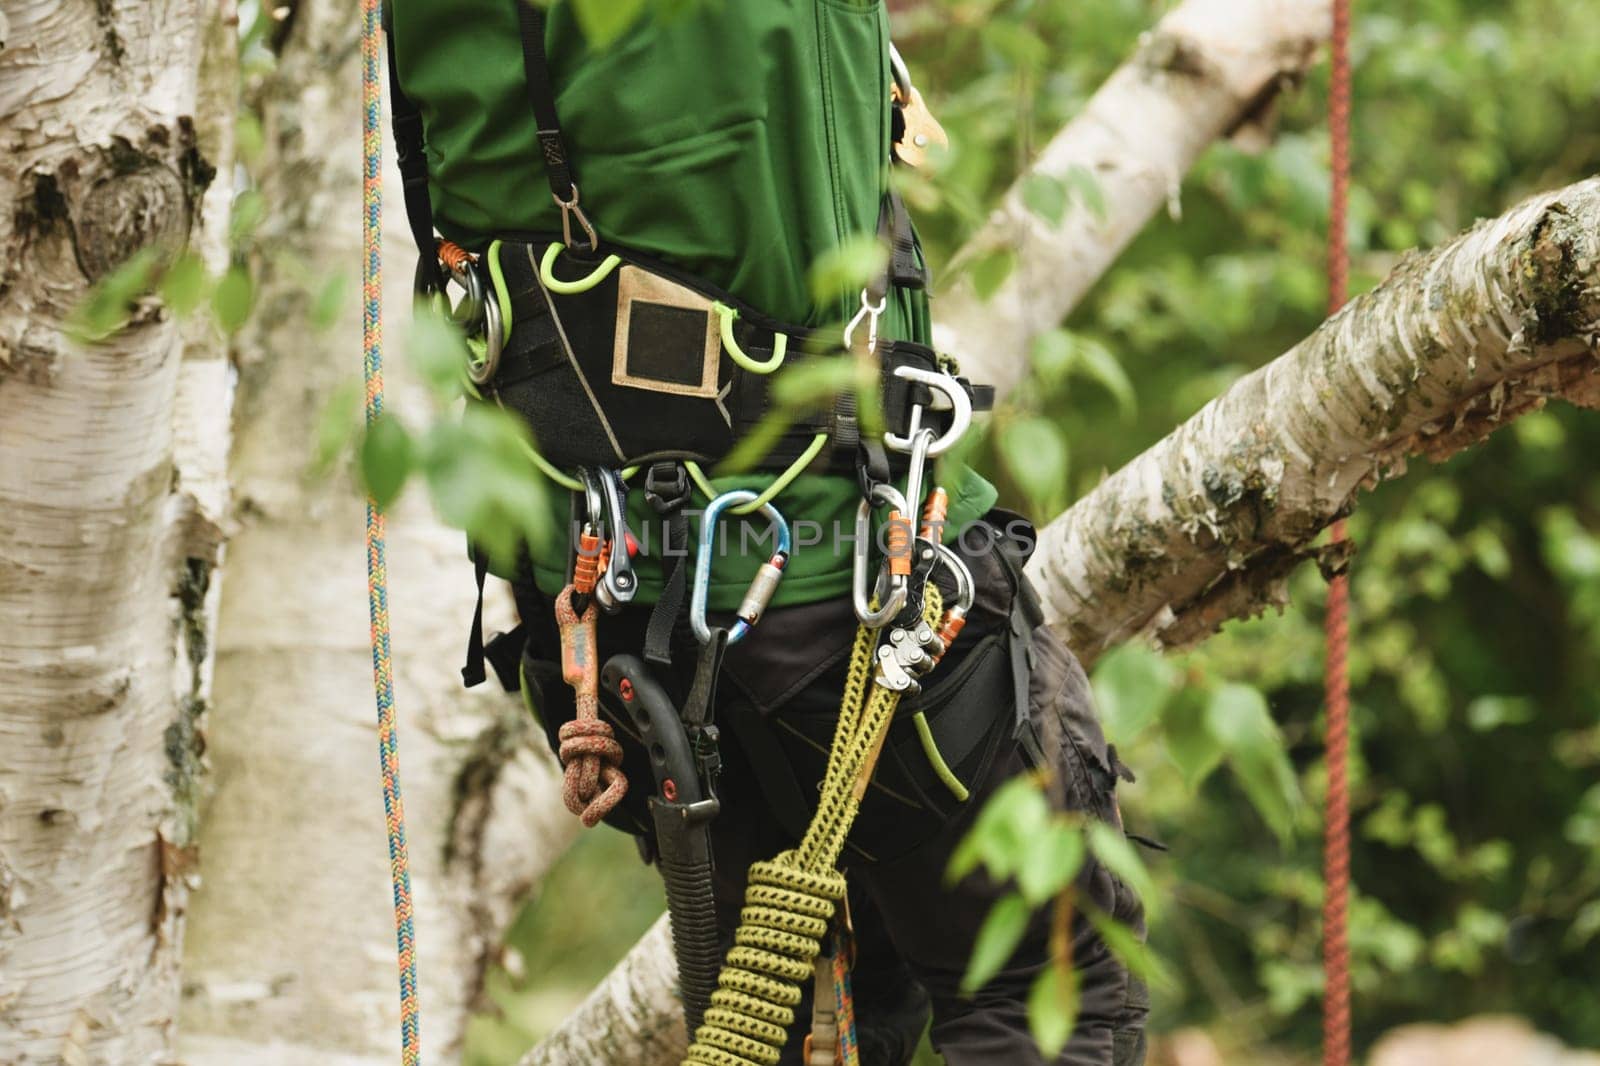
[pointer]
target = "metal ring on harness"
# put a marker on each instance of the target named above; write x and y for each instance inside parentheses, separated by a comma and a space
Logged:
(481, 369)
(894, 600)
(762, 586)
(960, 409)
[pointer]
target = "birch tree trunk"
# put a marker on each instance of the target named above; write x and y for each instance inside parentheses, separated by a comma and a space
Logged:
(1209, 69)
(290, 956)
(109, 523)
(1206, 524)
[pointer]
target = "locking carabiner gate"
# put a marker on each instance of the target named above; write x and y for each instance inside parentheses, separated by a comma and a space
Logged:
(762, 586)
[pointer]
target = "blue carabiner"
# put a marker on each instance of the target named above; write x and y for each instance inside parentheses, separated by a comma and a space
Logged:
(762, 586)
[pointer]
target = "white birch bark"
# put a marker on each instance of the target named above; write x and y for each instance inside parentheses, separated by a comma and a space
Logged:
(109, 526)
(1209, 69)
(1205, 525)
(291, 955)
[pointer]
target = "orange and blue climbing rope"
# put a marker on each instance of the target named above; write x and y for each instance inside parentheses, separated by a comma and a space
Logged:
(1336, 815)
(377, 574)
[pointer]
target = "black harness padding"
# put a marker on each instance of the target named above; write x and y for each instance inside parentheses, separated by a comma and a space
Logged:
(411, 154)
(560, 372)
(542, 98)
(666, 489)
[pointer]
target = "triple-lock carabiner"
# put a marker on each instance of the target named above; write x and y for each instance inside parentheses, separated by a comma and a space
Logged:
(606, 530)
(762, 586)
(891, 594)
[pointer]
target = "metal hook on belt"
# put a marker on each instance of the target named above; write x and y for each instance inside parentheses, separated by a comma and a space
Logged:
(960, 410)
(762, 587)
(870, 313)
(571, 210)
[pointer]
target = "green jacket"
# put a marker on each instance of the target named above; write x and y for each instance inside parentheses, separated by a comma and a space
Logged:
(740, 140)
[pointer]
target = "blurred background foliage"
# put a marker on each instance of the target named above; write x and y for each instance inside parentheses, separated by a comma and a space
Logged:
(1476, 659)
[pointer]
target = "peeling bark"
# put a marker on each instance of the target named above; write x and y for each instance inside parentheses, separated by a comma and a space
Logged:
(634, 1016)
(1206, 524)
(109, 527)
(1210, 69)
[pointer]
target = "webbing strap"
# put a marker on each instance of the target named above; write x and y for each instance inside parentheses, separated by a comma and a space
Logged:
(542, 98)
(405, 121)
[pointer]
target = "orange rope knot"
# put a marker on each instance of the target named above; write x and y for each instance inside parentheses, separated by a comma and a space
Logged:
(590, 755)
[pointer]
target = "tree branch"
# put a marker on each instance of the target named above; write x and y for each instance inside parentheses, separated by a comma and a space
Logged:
(1205, 525)
(1207, 70)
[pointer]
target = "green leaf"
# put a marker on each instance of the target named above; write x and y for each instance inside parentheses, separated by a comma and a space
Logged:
(249, 207)
(1131, 687)
(337, 428)
(1238, 717)
(989, 271)
(1053, 1008)
(1095, 362)
(1045, 196)
(1491, 712)
(998, 938)
(603, 21)
(329, 301)
(1082, 182)
(845, 270)
(435, 347)
(183, 284)
(1052, 862)
(233, 299)
(110, 302)
(1190, 742)
(386, 453)
(1055, 353)
(1035, 452)
(1115, 852)
(1004, 832)
(1127, 945)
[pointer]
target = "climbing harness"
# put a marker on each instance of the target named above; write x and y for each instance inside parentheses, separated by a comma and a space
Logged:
(377, 569)
(1336, 817)
(619, 362)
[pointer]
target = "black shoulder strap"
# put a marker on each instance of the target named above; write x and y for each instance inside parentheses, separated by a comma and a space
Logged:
(410, 153)
(542, 97)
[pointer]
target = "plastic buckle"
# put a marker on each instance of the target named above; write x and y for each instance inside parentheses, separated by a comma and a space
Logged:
(666, 487)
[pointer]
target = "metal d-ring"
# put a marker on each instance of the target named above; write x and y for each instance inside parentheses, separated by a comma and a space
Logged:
(960, 410)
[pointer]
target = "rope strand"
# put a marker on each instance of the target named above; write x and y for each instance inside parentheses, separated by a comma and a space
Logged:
(377, 571)
(1336, 843)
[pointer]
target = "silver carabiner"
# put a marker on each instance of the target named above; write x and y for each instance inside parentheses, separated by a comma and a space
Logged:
(608, 517)
(480, 371)
(898, 590)
(960, 410)
(762, 586)
(871, 312)
(569, 210)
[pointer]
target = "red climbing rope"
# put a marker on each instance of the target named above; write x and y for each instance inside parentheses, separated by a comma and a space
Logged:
(1336, 844)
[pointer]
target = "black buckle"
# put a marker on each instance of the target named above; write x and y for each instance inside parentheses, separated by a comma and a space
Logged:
(666, 486)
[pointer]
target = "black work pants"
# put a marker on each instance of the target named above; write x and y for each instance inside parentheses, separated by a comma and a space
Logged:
(776, 707)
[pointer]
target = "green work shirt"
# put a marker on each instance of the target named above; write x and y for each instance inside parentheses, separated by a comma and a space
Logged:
(740, 141)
